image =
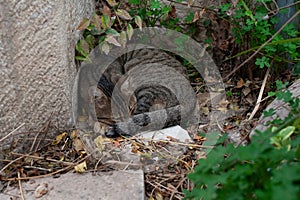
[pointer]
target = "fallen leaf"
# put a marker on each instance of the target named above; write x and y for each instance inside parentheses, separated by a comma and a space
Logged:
(172, 12)
(246, 91)
(101, 142)
(190, 2)
(78, 145)
(202, 12)
(196, 17)
(59, 138)
(80, 168)
(111, 3)
(198, 137)
(240, 83)
(41, 190)
(158, 196)
(117, 143)
(106, 10)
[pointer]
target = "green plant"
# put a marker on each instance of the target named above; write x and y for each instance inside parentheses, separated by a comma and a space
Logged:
(111, 26)
(253, 26)
(267, 168)
(151, 11)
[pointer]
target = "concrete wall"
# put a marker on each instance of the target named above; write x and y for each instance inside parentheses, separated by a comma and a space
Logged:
(37, 68)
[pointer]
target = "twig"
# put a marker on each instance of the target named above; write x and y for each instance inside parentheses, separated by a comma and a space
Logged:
(43, 158)
(122, 163)
(283, 7)
(156, 184)
(260, 95)
(11, 162)
(5, 137)
(20, 187)
(46, 175)
(262, 46)
(180, 183)
(45, 130)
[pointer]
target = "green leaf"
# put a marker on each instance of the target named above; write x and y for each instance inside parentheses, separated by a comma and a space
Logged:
(281, 85)
(110, 39)
(155, 4)
(263, 62)
(129, 31)
(105, 22)
(271, 94)
(111, 31)
(189, 18)
(123, 39)
(269, 113)
(286, 132)
(138, 21)
(135, 2)
(80, 58)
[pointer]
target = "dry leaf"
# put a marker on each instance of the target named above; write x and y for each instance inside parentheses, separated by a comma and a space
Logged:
(240, 83)
(41, 190)
(83, 24)
(190, 3)
(106, 10)
(80, 168)
(59, 138)
(246, 91)
(202, 12)
(158, 196)
(101, 142)
(111, 2)
(172, 12)
(198, 137)
(78, 145)
(123, 14)
(117, 143)
(97, 22)
(196, 17)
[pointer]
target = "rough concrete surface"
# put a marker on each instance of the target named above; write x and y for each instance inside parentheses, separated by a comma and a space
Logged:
(37, 68)
(116, 185)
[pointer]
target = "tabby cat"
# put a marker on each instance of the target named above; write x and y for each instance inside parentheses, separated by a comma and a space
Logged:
(138, 88)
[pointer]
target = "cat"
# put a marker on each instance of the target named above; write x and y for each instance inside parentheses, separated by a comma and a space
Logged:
(136, 88)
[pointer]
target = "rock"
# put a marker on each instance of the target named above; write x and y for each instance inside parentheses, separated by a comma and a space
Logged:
(115, 185)
(174, 132)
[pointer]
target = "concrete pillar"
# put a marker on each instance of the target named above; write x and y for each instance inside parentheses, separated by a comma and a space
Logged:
(37, 69)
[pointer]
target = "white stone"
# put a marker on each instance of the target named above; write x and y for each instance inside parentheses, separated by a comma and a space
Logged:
(175, 132)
